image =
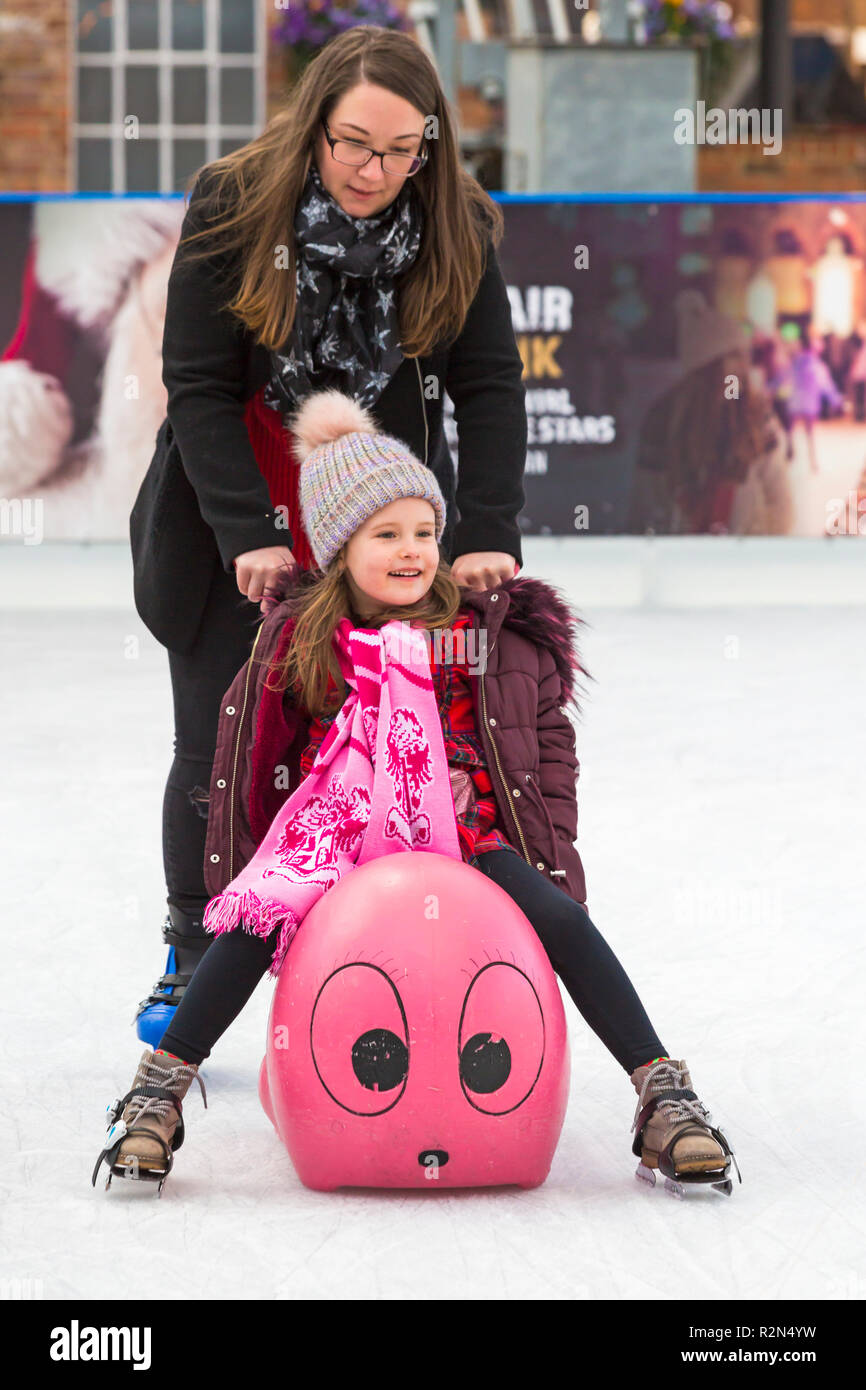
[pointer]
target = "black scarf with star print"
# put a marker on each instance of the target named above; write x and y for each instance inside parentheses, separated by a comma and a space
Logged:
(346, 329)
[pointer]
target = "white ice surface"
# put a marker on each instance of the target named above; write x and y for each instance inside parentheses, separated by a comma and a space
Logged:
(722, 829)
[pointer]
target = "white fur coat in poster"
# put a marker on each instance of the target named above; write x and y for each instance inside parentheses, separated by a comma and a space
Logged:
(107, 264)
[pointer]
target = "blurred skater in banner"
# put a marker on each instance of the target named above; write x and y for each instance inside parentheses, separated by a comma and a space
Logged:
(857, 374)
(837, 280)
(790, 274)
(772, 359)
(734, 271)
(811, 385)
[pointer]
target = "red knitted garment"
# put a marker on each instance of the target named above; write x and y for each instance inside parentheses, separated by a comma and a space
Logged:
(271, 444)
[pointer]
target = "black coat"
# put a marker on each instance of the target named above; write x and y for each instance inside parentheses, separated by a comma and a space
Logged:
(204, 500)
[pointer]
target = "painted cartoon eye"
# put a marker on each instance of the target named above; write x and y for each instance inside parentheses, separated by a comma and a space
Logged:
(359, 1039)
(380, 1060)
(485, 1064)
(502, 1063)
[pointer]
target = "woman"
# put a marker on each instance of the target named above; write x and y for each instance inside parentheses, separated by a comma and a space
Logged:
(711, 454)
(344, 247)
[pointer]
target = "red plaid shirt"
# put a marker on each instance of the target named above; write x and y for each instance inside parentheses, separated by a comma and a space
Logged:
(477, 827)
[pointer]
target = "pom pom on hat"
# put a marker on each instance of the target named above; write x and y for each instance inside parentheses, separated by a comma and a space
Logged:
(323, 417)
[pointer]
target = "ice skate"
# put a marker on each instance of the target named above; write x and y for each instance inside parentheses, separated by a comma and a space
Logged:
(674, 1133)
(146, 1125)
(187, 942)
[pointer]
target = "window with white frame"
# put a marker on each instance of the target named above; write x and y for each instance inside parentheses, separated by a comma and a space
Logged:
(163, 87)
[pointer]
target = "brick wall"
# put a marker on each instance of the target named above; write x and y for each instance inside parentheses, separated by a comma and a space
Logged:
(815, 13)
(37, 39)
(35, 107)
(810, 160)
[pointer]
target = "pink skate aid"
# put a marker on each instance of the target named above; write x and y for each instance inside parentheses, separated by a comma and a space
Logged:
(417, 1036)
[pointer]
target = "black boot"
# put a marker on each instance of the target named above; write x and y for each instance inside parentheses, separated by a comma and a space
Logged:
(187, 942)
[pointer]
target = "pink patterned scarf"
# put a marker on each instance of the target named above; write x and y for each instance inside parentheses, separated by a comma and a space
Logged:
(355, 805)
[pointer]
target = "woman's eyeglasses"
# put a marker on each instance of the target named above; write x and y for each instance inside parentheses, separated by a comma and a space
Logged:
(350, 152)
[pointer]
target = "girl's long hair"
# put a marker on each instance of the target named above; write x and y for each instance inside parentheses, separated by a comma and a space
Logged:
(252, 195)
(319, 602)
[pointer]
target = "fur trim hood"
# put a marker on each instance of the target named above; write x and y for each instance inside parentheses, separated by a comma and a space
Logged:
(541, 612)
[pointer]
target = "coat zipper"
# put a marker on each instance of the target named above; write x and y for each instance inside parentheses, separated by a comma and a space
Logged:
(235, 760)
(557, 872)
(423, 411)
(499, 766)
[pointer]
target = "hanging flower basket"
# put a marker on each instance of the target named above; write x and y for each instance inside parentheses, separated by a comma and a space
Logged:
(705, 22)
(302, 28)
(669, 20)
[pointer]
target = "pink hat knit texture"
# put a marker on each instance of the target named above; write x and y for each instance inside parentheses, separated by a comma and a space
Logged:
(349, 471)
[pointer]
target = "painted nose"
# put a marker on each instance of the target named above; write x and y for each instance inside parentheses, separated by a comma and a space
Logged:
(433, 1158)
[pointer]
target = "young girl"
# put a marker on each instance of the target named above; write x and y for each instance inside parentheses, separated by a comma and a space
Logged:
(308, 703)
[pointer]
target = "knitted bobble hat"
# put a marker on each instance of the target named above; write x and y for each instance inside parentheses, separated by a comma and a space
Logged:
(349, 471)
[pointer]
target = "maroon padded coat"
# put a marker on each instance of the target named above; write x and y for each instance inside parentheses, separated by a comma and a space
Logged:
(519, 700)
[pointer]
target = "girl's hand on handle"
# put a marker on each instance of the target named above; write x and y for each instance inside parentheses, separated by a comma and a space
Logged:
(483, 569)
(262, 573)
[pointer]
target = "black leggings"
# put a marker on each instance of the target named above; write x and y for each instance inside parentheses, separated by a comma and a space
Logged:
(232, 967)
(199, 679)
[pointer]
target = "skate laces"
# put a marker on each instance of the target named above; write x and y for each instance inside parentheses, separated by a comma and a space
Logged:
(160, 1106)
(675, 1109)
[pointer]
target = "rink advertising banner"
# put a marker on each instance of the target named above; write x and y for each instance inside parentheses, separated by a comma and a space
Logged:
(690, 367)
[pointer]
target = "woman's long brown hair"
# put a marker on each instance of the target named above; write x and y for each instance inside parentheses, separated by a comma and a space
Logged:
(252, 196)
(319, 602)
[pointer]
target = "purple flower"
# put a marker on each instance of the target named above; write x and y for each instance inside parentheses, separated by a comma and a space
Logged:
(308, 29)
(710, 18)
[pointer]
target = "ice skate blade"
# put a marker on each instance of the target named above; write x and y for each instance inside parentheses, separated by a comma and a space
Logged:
(133, 1172)
(677, 1189)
